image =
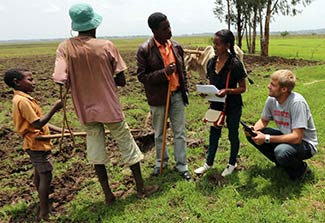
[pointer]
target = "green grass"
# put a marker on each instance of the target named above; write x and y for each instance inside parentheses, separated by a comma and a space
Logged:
(259, 192)
(311, 48)
(27, 49)
(308, 47)
(304, 46)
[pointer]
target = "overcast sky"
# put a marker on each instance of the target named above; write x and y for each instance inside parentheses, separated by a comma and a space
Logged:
(43, 19)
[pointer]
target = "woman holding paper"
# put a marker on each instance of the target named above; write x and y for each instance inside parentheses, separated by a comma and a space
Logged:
(224, 64)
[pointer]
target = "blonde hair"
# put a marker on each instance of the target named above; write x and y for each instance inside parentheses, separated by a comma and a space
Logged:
(286, 78)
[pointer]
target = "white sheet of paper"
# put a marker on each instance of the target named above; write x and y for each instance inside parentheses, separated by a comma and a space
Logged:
(211, 92)
(207, 89)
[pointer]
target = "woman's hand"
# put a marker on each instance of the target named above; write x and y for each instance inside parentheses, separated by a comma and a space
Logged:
(221, 93)
(203, 95)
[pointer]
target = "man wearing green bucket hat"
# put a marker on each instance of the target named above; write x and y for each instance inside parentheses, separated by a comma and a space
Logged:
(84, 18)
(93, 68)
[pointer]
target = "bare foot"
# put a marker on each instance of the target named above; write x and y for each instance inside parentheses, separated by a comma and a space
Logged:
(44, 216)
(110, 200)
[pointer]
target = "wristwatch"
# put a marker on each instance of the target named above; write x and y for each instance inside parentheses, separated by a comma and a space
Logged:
(267, 138)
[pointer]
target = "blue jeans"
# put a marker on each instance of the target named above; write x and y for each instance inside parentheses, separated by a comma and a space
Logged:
(232, 121)
(177, 118)
(288, 156)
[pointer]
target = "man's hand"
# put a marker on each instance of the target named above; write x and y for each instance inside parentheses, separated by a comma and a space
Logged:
(170, 68)
(259, 139)
(248, 130)
(120, 79)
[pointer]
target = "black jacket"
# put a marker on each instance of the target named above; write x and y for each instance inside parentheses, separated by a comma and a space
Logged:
(151, 72)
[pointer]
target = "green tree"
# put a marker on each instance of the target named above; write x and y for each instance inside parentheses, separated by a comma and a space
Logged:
(245, 15)
(272, 7)
(231, 11)
(251, 20)
(284, 34)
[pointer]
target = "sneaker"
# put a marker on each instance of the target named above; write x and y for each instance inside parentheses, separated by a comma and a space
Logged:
(305, 172)
(229, 169)
(202, 169)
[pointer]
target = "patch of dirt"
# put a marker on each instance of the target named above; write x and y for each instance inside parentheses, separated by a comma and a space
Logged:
(268, 64)
(252, 62)
(217, 179)
(68, 184)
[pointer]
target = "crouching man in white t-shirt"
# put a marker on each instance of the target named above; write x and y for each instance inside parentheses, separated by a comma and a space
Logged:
(295, 138)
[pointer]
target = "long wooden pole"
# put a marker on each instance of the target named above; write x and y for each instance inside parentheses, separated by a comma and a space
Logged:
(165, 129)
(193, 51)
(59, 135)
(68, 134)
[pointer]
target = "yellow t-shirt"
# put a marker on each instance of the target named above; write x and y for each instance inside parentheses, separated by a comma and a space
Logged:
(26, 111)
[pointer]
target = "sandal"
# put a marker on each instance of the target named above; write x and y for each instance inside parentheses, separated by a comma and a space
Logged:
(147, 191)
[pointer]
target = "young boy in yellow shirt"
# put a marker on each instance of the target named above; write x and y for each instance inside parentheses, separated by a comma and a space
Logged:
(29, 122)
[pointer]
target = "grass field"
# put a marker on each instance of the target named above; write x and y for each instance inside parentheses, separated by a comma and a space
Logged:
(257, 192)
(309, 47)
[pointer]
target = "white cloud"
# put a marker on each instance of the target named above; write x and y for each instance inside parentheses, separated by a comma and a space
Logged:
(51, 8)
(2, 8)
(129, 17)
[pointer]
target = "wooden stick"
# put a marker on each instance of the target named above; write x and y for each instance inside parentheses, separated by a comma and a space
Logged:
(165, 129)
(67, 134)
(65, 122)
(59, 135)
(193, 51)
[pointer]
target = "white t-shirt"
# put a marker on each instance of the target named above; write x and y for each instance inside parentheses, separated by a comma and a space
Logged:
(293, 113)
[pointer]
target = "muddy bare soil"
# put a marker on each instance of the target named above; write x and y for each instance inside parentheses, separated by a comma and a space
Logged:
(15, 169)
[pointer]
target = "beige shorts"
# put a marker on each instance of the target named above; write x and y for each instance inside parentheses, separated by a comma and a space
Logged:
(120, 132)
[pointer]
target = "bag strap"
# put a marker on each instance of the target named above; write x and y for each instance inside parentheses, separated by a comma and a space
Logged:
(227, 84)
(228, 77)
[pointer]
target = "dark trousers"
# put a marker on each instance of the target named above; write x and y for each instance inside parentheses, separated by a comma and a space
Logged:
(232, 121)
(288, 156)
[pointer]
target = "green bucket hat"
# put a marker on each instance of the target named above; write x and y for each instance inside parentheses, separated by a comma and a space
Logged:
(84, 18)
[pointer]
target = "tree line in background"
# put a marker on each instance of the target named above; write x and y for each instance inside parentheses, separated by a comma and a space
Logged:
(247, 15)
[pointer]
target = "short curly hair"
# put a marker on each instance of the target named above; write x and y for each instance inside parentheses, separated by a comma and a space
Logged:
(15, 73)
(155, 19)
(286, 78)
